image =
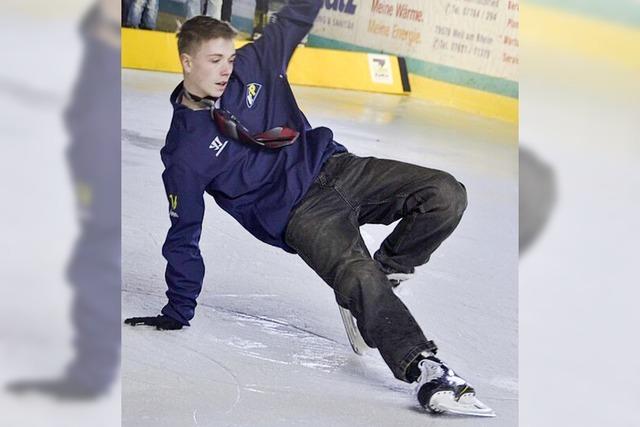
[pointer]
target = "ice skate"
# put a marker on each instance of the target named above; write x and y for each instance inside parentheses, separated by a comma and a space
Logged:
(355, 338)
(397, 278)
(394, 277)
(440, 390)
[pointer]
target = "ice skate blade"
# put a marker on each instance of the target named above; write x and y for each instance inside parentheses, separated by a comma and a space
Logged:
(355, 339)
(468, 404)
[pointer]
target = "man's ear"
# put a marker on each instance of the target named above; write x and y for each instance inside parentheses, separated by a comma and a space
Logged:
(187, 62)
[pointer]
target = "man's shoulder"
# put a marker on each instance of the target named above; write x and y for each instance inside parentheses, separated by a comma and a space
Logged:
(250, 62)
(245, 64)
(187, 123)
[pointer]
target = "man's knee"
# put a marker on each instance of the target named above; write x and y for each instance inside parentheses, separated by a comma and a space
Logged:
(445, 193)
(459, 196)
(358, 279)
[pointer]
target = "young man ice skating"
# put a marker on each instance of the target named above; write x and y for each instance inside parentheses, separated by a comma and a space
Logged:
(238, 134)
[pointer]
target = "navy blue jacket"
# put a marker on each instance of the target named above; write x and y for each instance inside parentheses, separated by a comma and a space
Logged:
(259, 187)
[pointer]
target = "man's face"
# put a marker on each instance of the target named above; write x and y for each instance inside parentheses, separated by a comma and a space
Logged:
(207, 72)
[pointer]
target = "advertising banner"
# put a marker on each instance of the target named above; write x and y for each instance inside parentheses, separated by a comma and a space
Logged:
(474, 35)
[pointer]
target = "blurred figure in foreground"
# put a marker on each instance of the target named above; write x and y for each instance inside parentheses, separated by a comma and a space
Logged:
(93, 121)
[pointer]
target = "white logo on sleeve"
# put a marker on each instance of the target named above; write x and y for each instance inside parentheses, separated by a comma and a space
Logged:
(217, 145)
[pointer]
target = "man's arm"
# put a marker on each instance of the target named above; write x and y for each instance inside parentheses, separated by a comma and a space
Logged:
(276, 45)
(185, 268)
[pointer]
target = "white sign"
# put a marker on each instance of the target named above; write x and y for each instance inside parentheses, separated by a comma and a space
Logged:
(380, 69)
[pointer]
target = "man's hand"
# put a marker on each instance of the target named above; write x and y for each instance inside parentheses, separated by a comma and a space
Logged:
(161, 322)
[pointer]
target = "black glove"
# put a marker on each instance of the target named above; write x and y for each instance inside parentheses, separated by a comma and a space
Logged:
(160, 322)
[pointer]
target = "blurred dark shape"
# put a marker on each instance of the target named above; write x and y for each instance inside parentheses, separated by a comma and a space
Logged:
(124, 10)
(226, 10)
(265, 12)
(93, 121)
(537, 197)
(62, 389)
(140, 14)
(260, 18)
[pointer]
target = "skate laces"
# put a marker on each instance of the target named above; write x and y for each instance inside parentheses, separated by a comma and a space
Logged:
(432, 368)
(429, 370)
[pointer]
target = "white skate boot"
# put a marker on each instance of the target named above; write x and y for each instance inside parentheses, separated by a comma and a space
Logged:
(440, 390)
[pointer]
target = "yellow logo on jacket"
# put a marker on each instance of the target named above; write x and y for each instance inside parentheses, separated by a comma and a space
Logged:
(253, 89)
(173, 204)
(173, 200)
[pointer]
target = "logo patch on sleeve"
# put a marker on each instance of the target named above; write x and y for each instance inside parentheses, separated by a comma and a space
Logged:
(253, 89)
(173, 205)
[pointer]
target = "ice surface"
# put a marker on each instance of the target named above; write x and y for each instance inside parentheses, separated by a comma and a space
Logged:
(267, 346)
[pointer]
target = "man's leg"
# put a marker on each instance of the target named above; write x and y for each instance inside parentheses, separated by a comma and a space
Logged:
(150, 16)
(324, 231)
(260, 18)
(136, 9)
(213, 8)
(429, 202)
(193, 8)
(125, 12)
(226, 12)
